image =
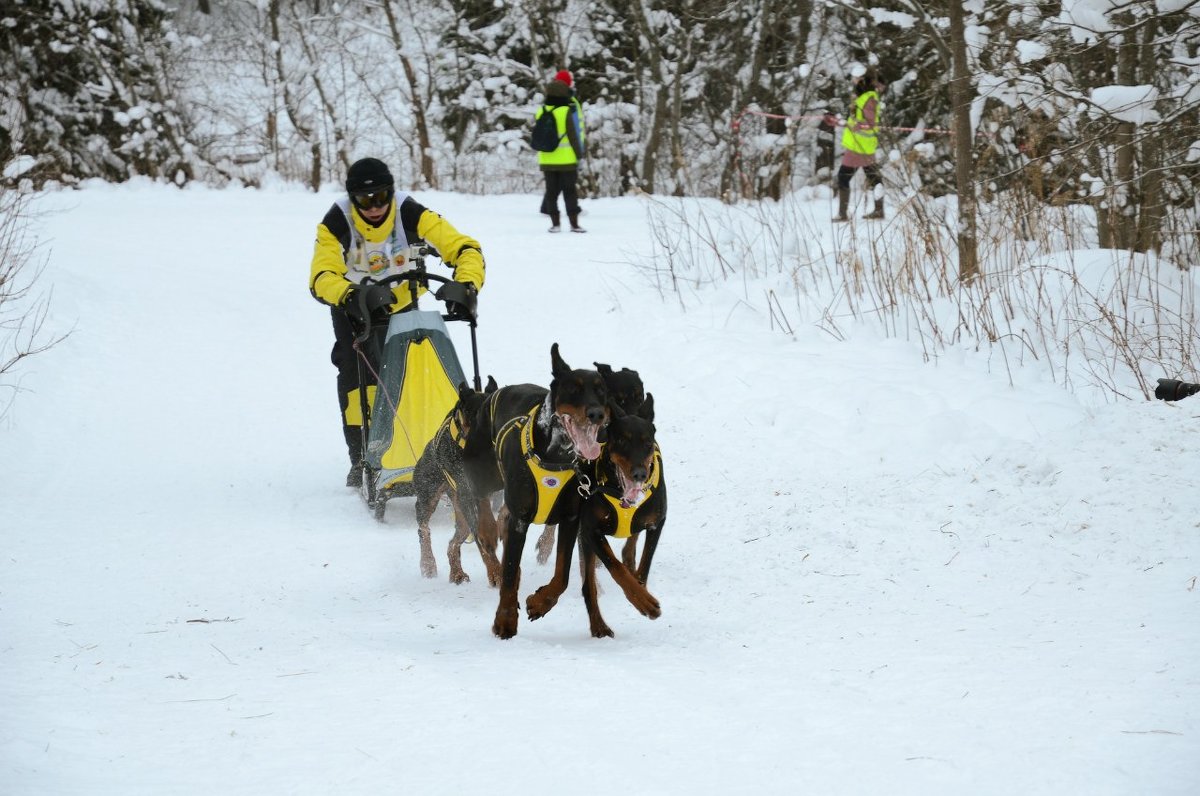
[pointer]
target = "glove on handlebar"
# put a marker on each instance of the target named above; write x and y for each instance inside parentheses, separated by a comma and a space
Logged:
(363, 301)
(461, 299)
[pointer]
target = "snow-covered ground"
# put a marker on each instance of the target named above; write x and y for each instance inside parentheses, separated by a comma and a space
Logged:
(878, 575)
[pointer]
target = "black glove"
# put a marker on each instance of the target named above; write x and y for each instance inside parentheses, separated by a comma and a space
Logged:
(379, 297)
(364, 301)
(460, 297)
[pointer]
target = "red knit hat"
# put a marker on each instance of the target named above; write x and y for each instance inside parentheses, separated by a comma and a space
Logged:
(563, 76)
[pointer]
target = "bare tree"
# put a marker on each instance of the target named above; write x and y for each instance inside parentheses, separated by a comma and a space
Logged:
(961, 96)
(23, 311)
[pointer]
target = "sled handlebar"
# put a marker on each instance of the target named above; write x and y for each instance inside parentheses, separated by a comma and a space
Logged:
(416, 277)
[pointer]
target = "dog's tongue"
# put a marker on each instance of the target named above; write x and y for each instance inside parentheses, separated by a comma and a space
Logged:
(631, 491)
(584, 439)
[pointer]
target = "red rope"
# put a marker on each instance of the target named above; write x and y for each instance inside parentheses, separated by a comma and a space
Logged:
(738, 121)
(387, 396)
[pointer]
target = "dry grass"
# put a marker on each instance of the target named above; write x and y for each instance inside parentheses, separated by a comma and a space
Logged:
(1104, 320)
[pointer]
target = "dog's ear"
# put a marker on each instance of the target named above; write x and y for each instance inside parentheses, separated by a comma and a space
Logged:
(557, 366)
(491, 385)
(615, 410)
(603, 370)
(646, 410)
(464, 391)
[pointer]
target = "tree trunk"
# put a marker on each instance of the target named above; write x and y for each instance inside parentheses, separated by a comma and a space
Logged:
(290, 105)
(1125, 203)
(1153, 209)
(428, 172)
(964, 165)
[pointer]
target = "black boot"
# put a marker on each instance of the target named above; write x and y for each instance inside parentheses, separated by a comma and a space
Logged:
(878, 211)
(353, 435)
(843, 204)
(574, 219)
(555, 219)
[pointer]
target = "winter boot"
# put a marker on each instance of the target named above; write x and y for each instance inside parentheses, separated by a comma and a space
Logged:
(353, 435)
(878, 211)
(555, 220)
(574, 219)
(843, 204)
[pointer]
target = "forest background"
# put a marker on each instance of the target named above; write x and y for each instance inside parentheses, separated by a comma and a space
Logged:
(1088, 102)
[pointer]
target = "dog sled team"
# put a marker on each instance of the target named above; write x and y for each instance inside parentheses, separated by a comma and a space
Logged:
(578, 456)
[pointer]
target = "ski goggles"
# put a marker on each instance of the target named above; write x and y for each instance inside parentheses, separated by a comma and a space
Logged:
(370, 201)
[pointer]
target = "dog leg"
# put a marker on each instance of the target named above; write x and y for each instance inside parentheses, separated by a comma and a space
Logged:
(545, 544)
(486, 535)
(458, 575)
(541, 601)
(425, 504)
(587, 561)
(643, 570)
(637, 594)
(629, 553)
(509, 609)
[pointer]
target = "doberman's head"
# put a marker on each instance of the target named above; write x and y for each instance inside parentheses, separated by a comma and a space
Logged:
(469, 402)
(630, 448)
(624, 386)
(579, 399)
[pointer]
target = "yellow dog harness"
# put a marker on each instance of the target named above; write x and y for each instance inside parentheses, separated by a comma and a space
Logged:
(449, 426)
(550, 478)
(625, 511)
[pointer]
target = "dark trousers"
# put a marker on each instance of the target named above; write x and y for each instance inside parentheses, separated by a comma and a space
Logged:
(845, 173)
(345, 359)
(561, 182)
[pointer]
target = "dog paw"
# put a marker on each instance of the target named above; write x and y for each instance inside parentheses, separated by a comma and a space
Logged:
(505, 624)
(601, 630)
(539, 603)
(429, 568)
(648, 606)
(458, 578)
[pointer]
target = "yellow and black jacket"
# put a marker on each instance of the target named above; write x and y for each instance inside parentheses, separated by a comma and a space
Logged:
(349, 249)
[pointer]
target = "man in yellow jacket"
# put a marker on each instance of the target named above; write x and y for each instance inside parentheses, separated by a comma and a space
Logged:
(365, 237)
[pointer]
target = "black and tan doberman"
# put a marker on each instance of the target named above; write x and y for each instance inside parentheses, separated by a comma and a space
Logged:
(530, 441)
(628, 495)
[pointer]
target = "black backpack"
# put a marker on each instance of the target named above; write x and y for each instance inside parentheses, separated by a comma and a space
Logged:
(545, 137)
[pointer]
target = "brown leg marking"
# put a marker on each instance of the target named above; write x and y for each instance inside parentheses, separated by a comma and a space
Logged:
(508, 611)
(637, 594)
(587, 561)
(454, 551)
(629, 553)
(486, 536)
(652, 534)
(541, 601)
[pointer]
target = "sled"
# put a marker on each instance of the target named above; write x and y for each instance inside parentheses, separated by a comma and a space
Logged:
(418, 382)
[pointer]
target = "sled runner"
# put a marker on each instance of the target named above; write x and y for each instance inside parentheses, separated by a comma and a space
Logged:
(418, 381)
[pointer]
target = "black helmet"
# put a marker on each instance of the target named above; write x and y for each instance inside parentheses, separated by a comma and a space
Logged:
(367, 176)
